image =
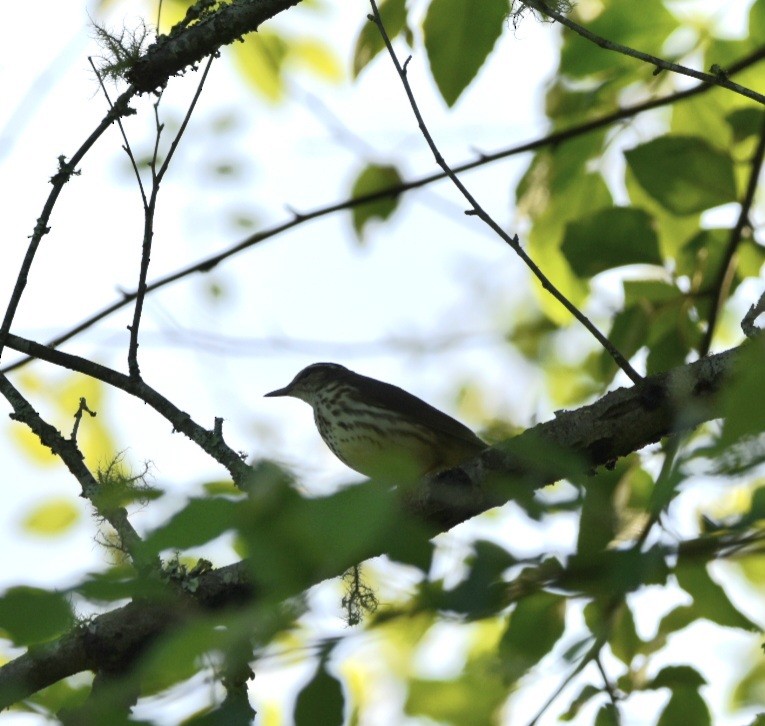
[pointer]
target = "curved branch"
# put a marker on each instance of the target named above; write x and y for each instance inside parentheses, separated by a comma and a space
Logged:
(210, 441)
(623, 421)
(68, 451)
(558, 137)
(171, 54)
(66, 169)
(478, 210)
(725, 273)
(717, 79)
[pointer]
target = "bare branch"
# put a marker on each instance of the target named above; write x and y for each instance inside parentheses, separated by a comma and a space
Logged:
(69, 453)
(727, 267)
(717, 79)
(477, 210)
(558, 137)
(149, 211)
(65, 170)
(754, 312)
(171, 54)
(210, 442)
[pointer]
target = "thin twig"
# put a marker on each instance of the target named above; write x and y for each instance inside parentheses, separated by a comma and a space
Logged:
(65, 170)
(610, 690)
(754, 312)
(717, 79)
(589, 656)
(69, 453)
(477, 210)
(82, 408)
(727, 268)
(186, 119)
(660, 498)
(554, 139)
(149, 211)
(208, 441)
(126, 146)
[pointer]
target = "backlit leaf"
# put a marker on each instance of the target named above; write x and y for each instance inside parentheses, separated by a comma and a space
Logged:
(374, 178)
(51, 518)
(459, 35)
(610, 238)
(31, 615)
(535, 626)
(321, 702)
(683, 173)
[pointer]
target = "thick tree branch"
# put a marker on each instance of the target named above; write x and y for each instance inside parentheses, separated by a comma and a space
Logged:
(173, 53)
(621, 422)
(111, 642)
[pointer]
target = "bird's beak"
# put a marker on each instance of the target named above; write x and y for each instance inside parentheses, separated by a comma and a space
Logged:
(278, 392)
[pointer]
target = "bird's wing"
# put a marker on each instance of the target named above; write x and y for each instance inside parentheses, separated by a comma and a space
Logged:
(414, 409)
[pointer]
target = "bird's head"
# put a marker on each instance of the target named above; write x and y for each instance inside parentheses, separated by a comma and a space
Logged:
(307, 384)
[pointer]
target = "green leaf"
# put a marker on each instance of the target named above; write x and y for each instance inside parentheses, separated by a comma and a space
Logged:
(374, 178)
(643, 25)
(617, 624)
(260, 59)
(598, 522)
(743, 404)
(709, 599)
(610, 238)
(757, 21)
(222, 487)
(369, 42)
(686, 704)
(321, 702)
(536, 625)
(51, 518)
(607, 716)
(745, 122)
(482, 593)
(750, 690)
(459, 35)
(669, 351)
(676, 620)
(31, 615)
(200, 521)
(683, 173)
(65, 694)
(624, 640)
(472, 699)
(120, 583)
(628, 333)
(178, 654)
(614, 572)
(557, 189)
(317, 57)
(586, 694)
(293, 541)
(649, 294)
(674, 676)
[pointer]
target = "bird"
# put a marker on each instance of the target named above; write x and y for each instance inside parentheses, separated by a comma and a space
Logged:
(378, 429)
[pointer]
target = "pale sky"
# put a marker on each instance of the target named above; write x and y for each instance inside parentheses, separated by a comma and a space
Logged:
(311, 294)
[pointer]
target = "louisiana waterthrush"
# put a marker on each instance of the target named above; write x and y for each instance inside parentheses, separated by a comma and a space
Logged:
(379, 429)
